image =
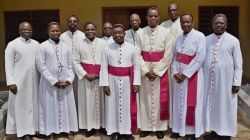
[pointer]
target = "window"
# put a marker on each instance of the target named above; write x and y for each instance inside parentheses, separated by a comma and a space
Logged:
(206, 14)
(39, 20)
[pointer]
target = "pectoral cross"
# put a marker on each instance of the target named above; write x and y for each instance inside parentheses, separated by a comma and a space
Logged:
(60, 67)
(119, 61)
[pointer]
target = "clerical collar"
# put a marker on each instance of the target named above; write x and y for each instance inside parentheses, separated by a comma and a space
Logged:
(153, 29)
(219, 36)
(185, 35)
(135, 30)
(120, 45)
(24, 39)
(72, 32)
(54, 41)
(89, 41)
(175, 19)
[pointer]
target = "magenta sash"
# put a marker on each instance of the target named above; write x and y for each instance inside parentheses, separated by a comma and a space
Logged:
(164, 83)
(91, 68)
(192, 90)
(152, 56)
(128, 71)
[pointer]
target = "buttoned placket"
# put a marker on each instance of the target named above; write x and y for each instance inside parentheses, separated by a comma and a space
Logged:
(97, 104)
(214, 51)
(120, 102)
(72, 41)
(120, 55)
(180, 88)
(120, 88)
(153, 98)
(59, 96)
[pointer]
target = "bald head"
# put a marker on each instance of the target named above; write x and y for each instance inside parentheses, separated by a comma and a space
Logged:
(25, 30)
(135, 21)
(173, 11)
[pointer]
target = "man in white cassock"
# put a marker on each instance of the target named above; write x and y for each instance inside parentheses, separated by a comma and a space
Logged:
(188, 81)
(107, 32)
(173, 24)
(87, 59)
(57, 110)
(155, 44)
(22, 80)
(120, 79)
(222, 74)
(72, 37)
(132, 34)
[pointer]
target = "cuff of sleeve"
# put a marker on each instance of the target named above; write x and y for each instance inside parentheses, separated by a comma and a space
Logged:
(10, 83)
(143, 72)
(70, 80)
(137, 83)
(236, 83)
(187, 75)
(53, 82)
(160, 73)
(103, 84)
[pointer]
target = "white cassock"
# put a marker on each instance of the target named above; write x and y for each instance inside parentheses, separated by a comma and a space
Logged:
(108, 39)
(57, 110)
(132, 36)
(117, 105)
(174, 27)
(175, 31)
(222, 70)
(20, 68)
(90, 95)
(152, 40)
(72, 39)
(193, 45)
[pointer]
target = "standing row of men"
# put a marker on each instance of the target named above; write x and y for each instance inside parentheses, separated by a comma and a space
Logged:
(205, 73)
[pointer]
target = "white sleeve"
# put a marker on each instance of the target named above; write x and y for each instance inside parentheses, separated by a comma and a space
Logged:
(104, 81)
(71, 74)
(137, 69)
(10, 64)
(197, 62)
(41, 61)
(237, 59)
(80, 72)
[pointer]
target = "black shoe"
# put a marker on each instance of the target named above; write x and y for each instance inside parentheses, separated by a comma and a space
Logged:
(115, 136)
(190, 137)
(159, 134)
(129, 137)
(175, 135)
(90, 133)
(27, 137)
(144, 134)
(103, 131)
(211, 136)
(225, 138)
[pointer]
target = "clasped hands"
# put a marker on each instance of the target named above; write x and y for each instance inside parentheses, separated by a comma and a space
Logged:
(106, 89)
(179, 78)
(91, 77)
(151, 75)
(62, 84)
